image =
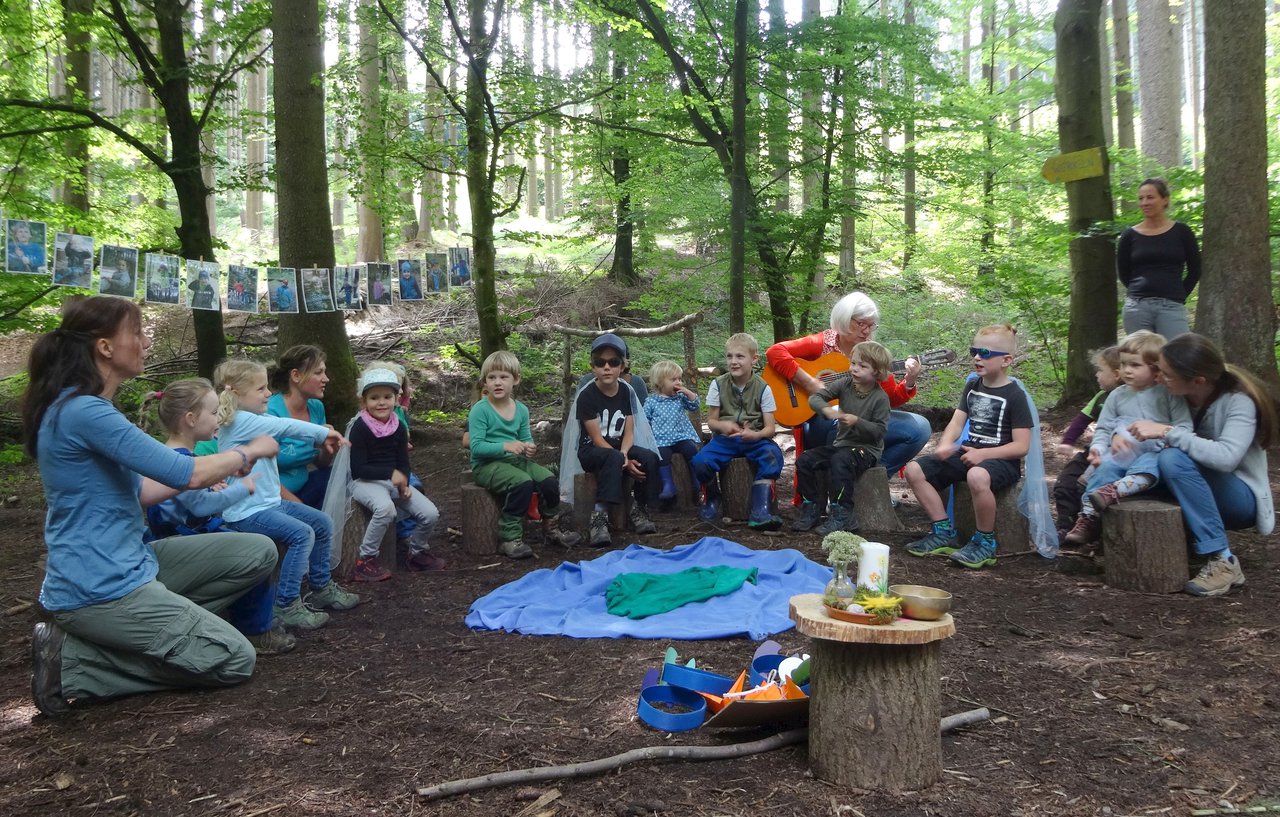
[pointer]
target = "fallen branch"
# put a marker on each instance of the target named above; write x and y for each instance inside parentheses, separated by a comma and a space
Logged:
(593, 767)
(627, 331)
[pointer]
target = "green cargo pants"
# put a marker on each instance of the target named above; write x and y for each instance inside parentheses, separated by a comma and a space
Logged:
(167, 634)
(514, 483)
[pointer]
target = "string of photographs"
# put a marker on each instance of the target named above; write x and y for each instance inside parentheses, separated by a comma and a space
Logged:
(168, 279)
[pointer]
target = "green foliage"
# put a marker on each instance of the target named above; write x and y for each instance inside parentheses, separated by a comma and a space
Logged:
(12, 454)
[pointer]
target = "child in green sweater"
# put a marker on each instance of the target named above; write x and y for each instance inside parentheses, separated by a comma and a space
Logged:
(502, 448)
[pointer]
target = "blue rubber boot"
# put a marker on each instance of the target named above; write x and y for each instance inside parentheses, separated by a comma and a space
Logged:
(760, 518)
(668, 484)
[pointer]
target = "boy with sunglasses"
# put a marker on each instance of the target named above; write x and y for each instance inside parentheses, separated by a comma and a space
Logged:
(1000, 421)
(610, 439)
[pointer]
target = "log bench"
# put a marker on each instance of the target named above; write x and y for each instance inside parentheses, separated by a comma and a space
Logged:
(1013, 531)
(1145, 546)
(871, 499)
(876, 699)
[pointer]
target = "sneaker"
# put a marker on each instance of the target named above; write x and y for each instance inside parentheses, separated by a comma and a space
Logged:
(1086, 530)
(425, 560)
(710, 510)
(1216, 578)
(1104, 497)
(298, 616)
(810, 516)
(934, 544)
(46, 669)
(976, 554)
(639, 518)
(843, 518)
(515, 549)
(276, 641)
(599, 531)
(370, 570)
(331, 597)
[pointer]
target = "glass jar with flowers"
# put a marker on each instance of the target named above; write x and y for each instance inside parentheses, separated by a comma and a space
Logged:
(843, 548)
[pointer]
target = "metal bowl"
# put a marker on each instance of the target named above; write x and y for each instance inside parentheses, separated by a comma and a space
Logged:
(922, 603)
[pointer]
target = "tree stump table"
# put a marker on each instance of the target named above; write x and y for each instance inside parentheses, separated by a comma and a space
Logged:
(876, 699)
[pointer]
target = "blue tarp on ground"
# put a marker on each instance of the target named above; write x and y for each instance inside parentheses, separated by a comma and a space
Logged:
(569, 600)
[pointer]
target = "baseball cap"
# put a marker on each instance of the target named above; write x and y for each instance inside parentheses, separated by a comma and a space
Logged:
(611, 340)
(379, 377)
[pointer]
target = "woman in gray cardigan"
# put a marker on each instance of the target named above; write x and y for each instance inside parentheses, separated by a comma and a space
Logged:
(1218, 471)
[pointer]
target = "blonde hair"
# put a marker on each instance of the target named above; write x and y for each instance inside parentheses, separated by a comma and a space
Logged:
(1004, 330)
(875, 355)
(661, 371)
(232, 375)
(395, 368)
(501, 361)
(178, 399)
(1107, 358)
(744, 341)
(1143, 342)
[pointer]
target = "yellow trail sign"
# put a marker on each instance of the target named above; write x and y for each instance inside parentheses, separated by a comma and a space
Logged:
(1072, 167)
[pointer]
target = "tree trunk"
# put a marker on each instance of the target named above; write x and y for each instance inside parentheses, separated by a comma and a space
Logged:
(405, 213)
(480, 184)
(371, 244)
(208, 145)
(255, 148)
(1093, 284)
(302, 190)
(777, 113)
(75, 188)
(1236, 307)
(1193, 81)
(908, 150)
(1104, 53)
(554, 166)
(986, 264)
(451, 181)
(1124, 75)
(531, 145)
(623, 269)
(810, 112)
(738, 188)
(1160, 79)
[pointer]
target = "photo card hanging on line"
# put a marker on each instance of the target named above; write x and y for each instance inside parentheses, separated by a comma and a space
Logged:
(316, 293)
(72, 260)
(435, 278)
(163, 279)
(202, 285)
(242, 288)
(379, 284)
(25, 247)
(282, 290)
(346, 287)
(118, 271)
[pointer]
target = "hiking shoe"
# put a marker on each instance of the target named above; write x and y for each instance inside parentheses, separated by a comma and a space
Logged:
(810, 516)
(515, 549)
(976, 554)
(1086, 529)
(276, 641)
(599, 531)
(298, 616)
(1216, 578)
(639, 518)
(425, 560)
(843, 518)
(331, 597)
(553, 533)
(1104, 497)
(46, 669)
(370, 570)
(710, 510)
(934, 544)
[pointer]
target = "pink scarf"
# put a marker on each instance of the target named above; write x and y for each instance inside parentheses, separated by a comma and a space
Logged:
(380, 428)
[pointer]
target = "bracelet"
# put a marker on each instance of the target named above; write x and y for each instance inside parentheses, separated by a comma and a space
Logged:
(244, 458)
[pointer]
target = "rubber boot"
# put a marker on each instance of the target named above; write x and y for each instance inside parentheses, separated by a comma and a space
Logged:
(668, 484)
(761, 519)
(710, 508)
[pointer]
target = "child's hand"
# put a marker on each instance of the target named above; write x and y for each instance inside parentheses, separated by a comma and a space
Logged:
(530, 449)
(514, 447)
(1120, 446)
(401, 483)
(633, 468)
(1095, 458)
(944, 452)
(222, 486)
(1066, 450)
(972, 456)
(335, 440)
(248, 483)
(687, 392)
(260, 447)
(848, 419)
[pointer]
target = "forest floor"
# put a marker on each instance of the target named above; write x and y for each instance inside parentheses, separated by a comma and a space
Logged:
(1103, 702)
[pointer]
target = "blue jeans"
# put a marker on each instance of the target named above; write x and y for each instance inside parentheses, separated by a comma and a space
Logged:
(1110, 471)
(406, 526)
(765, 455)
(905, 436)
(1213, 502)
(307, 535)
(1160, 315)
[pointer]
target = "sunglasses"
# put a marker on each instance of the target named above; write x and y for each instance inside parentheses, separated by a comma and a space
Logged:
(985, 353)
(601, 362)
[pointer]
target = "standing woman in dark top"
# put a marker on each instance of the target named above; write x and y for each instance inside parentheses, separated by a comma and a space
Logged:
(1158, 261)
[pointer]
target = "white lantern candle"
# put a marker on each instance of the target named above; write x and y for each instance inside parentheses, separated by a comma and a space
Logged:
(873, 566)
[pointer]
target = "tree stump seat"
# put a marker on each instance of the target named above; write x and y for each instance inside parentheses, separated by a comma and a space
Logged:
(871, 499)
(584, 500)
(688, 497)
(1145, 546)
(391, 556)
(876, 699)
(480, 516)
(1013, 531)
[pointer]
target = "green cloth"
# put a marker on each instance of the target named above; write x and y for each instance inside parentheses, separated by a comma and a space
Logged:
(639, 595)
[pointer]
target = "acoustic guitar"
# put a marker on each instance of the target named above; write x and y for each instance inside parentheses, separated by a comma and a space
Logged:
(793, 401)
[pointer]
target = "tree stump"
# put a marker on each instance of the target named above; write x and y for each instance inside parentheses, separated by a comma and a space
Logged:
(1013, 531)
(687, 494)
(735, 488)
(870, 499)
(876, 699)
(1145, 546)
(391, 556)
(480, 515)
(584, 500)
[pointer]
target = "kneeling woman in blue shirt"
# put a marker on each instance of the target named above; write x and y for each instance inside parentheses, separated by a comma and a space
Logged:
(126, 617)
